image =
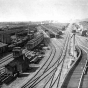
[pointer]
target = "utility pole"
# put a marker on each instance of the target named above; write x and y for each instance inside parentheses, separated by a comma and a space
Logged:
(73, 44)
(74, 31)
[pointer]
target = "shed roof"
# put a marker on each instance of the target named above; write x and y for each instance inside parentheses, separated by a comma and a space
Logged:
(2, 44)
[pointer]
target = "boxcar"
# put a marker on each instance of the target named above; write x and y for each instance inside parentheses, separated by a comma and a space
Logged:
(34, 42)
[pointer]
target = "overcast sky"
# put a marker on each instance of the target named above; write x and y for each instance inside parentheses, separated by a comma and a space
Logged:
(37, 10)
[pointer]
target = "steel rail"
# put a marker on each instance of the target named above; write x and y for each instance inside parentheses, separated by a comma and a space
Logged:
(84, 69)
(58, 58)
(44, 77)
(67, 75)
(6, 58)
(32, 80)
(63, 55)
(1, 71)
(83, 72)
(52, 77)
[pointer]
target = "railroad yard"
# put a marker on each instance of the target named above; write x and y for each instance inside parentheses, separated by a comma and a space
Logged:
(48, 55)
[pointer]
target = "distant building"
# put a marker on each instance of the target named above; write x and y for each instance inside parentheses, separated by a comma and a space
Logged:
(5, 38)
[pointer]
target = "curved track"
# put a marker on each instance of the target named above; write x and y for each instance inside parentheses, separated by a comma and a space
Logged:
(6, 58)
(47, 62)
(3, 76)
(50, 74)
(75, 77)
(84, 77)
(50, 65)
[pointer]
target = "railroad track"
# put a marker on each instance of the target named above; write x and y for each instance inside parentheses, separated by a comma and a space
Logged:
(36, 77)
(49, 67)
(77, 74)
(52, 28)
(55, 82)
(51, 71)
(6, 58)
(9, 56)
(84, 77)
(2, 68)
(3, 76)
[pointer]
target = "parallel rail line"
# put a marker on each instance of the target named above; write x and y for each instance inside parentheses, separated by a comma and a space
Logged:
(85, 67)
(3, 76)
(6, 58)
(54, 69)
(33, 80)
(56, 60)
(75, 76)
(62, 61)
(83, 72)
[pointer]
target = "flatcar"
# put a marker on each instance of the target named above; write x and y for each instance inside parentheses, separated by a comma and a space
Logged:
(84, 33)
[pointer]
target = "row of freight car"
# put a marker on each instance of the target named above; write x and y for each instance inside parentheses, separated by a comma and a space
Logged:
(82, 33)
(20, 43)
(34, 42)
(5, 35)
(21, 62)
(54, 35)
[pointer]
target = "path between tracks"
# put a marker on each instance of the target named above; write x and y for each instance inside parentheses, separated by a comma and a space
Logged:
(72, 80)
(23, 80)
(47, 81)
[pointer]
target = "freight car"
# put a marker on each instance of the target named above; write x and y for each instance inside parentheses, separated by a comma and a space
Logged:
(20, 43)
(19, 64)
(34, 42)
(60, 33)
(84, 33)
(52, 35)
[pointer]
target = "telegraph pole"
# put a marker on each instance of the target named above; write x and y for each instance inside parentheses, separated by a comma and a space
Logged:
(73, 44)
(74, 31)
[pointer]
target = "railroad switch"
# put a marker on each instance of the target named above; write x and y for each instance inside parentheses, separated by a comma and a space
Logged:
(85, 72)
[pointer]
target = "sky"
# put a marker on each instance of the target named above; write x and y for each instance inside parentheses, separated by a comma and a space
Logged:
(39, 10)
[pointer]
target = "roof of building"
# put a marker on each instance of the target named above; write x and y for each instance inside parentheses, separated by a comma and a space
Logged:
(2, 44)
